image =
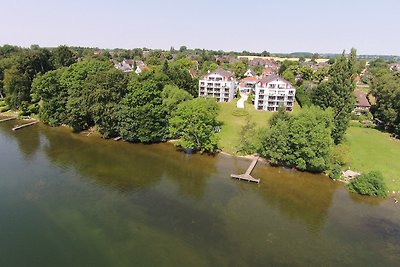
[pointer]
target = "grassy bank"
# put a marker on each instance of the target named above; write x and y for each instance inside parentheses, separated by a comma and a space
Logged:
(371, 149)
(233, 120)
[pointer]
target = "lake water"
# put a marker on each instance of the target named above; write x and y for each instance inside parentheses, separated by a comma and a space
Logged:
(73, 200)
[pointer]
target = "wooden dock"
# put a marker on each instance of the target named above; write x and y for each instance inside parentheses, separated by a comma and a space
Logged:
(8, 119)
(246, 176)
(24, 125)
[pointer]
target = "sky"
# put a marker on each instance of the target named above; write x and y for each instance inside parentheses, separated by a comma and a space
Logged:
(280, 26)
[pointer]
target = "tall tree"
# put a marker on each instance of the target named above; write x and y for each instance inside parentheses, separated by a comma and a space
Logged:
(194, 123)
(142, 118)
(16, 88)
(62, 56)
(54, 97)
(302, 140)
(105, 91)
(78, 108)
(337, 93)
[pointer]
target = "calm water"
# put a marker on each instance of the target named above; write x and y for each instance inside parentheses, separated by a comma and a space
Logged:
(72, 200)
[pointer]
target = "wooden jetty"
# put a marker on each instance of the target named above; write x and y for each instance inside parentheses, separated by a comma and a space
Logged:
(117, 138)
(8, 119)
(24, 125)
(246, 176)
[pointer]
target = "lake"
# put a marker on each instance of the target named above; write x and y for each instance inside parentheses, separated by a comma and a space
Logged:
(75, 200)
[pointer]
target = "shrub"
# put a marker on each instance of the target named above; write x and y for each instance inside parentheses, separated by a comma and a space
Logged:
(335, 172)
(4, 108)
(370, 184)
(250, 99)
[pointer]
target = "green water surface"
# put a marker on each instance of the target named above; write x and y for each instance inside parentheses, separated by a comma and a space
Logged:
(72, 200)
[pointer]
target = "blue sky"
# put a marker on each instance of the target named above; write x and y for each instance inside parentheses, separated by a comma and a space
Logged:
(253, 25)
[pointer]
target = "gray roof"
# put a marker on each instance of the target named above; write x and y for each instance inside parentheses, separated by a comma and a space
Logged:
(222, 72)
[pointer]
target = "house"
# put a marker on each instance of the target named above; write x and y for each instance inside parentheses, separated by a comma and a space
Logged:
(247, 85)
(141, 68)
(128, 65)
(272, 92)
(218, 84)
(269, 71)
(362, 102)
(250, 73)
(395, 67)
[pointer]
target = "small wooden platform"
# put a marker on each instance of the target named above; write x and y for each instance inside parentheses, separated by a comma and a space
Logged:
(246, 176)
(24, 125)
(8, 119)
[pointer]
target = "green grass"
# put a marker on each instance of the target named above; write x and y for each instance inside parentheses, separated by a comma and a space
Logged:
(371, 149)
(233, 120)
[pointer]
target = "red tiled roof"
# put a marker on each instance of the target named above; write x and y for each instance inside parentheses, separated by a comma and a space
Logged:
(362, 100)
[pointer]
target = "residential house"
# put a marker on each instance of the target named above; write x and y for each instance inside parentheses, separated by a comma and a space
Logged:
(247, 85)
(250, 73)
(395, 67)
(362, 102)
(219, 84)
(272, 92)
(269, 71)
(128, 65)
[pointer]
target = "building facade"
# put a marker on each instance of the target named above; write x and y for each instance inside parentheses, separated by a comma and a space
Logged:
(218, 84)
(273, 92)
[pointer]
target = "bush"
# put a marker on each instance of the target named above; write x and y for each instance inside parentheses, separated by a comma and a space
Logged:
(370, 184)
(335, 172)
(33, 108)
(250, 99)
(4, 108)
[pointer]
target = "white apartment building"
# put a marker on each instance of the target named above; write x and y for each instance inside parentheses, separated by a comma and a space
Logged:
(273, 92)
(219, 84)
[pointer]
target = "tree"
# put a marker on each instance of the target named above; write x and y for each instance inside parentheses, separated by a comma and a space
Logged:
(371, 184)
(302, 140)
(16, 88)
(142, 118)
(337, 93)
(289, 76)
(182, 49)
(73, 78)
(182, 78)
(385, 86)
(62, 56)
(280, 115)
(320, 74)
(194, 123)
(105, 91)
(53, 97)
(239, 68)
(172, 96)
(306, 73)
(286, 64)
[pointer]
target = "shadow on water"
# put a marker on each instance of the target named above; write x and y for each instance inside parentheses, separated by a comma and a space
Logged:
(28, 140)
(126, 166)
(299, 195)
(108, 164)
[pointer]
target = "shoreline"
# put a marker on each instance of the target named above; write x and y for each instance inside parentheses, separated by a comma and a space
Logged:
(94, 132)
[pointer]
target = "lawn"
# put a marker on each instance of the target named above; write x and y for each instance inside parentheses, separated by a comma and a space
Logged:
(371, 149)
(229, 137)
